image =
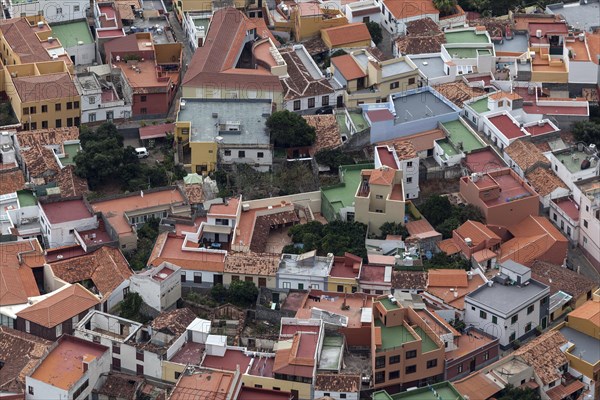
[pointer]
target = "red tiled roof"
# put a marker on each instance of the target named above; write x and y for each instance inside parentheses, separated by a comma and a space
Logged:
(37, 87)
(17, 282)
(156, 131)
(402, 9)
(11, 181)
(506, 125)
(447, 278)
(382, 176)
(348, 67)
(349, 33)
(23, 41)
(60, 307)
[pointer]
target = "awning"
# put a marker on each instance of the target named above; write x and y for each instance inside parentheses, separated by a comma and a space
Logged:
(156, 131)
(560, 392)
(217, 229)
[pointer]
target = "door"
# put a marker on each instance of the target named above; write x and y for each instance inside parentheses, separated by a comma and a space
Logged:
(275, 298)
(340, 101)
(116, 362)
(295, 394)
(262, 282)
(218, 280)
(472, 365)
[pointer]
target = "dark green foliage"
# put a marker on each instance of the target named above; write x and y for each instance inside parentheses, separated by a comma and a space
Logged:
(587, 132)
(7, 116)
(443, 261)
(218, 293)
(446, 7)
(290, 130)
(130, 305)
(393, 228)
(513, 393)
(336, 237)
(445, 217)
(436, 209)
(333, 158)
(375, 31)
(147, 235)
(242, 293)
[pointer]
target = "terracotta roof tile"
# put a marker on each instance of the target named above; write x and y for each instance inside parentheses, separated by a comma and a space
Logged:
(382, 176)
(17, 282)
(11, 181)
(315, 46)
(421, 141)
(300, 83)
(589, 311)
(349, 33)
(421, 229)
(525, 154)
(60, 307)
(459, 92)
(174, 322)
(423, 26)
(122, 386)
(20, 352)
(327, 130)
(447, 278)
(70, 184)
(420, 44)
(559, 278)
(338, 383)
(477, 385)
(544, 355)
(413, 280)
(478, 233)
(544, 181)
(35, 88)
(402, 9)
(22, 39)
(262, 264)
(405, 150)
(348, 67)
(106, 267)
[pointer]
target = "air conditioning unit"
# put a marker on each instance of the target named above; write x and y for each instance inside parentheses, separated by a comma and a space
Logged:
(50, 39)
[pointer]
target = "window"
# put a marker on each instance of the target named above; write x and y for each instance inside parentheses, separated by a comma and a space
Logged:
(325, 100)
(411, 369)
(44, 108)
(528, 327)
(235, 278)
(27, 326)
(260, 154)
(394, 359)
(378, 196)
(296, 105)
(494, 319)
(380, 377)
(394, 85)
(530, 309)
(460, 368)
(183, 277)
(287, 285)
(92, 117)
(227, 152)
(340, 288)
(139, 369)
(482, 314)
(301, 286)
(58, 10)
(241, 154)
(75, 104)
(409, 179)
(44, 124)
(366, 20)
(139, 355)
(25, 110)
(411, 81)
(76, 120)
(411, 354)
(514, 318)
(142, 98)
(342, 395)
(555, 217)
(249, 279)
(311, 102)
(380, 362)
(197, 277)
(58, 330)
(30, 390)
(57, 107)
(143, 110)
(177, 375)
(394, 375)
(69, 121)
(80, 389)
(32, 110)
(512, 337)
(75, 8)
(69, 105)
(58, 123)
(409, 164)
(585, 223)
(544, 300)
(432, 363)
(587, 208)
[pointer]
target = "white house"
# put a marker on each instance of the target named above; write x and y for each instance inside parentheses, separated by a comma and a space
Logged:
(60, 219)
(159, 287)
(195, 25)
(587, 194)
(510, 307)
(363, 11)
(71, 370)
(575, 163)
(402, 156)
(54, 11)
(304, 271)
(99, 99)
(337, 386)
(396, 13)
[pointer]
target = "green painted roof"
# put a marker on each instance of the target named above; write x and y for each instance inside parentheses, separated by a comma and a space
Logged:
(387, 303)
(444, 390)
(466, 52)
(393, 336)
(427, 344)
(70, 151)
(342, 195)
(480, 105)
(26, 198)
(457, 132)
(467, 36)
(72, 33)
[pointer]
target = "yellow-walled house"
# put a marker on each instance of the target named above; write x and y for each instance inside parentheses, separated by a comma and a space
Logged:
(310, 17)
(350, 36)
(184, 6)
(258, 268)
(344, 274)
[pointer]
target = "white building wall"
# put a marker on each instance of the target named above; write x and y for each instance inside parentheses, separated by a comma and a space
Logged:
(208, 277)
(60, 234)
(583, 72)
(336, 395)
(84, 54)
(43, 391)
(569, 227)
(352, 8)
(251, 156)
(300, 282)
(330, 101)
(54, 10)
(410, 174)
(117, 295)
(589, 238)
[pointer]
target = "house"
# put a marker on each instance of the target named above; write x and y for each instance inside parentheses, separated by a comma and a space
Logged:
(72, 369)
(380, 198)
(588, 193)
(119, 386)
(402, 156)
(411, 282)
(472, 350)
(310, 18)
(399, 333)
(150, 72)
(207, 384)
(223, 132)
(100, 100)
(60, 220)
(215, 71)
(547, 185)
(104, 271)
(66, 12)
(350, 36)
(575, 163)
(447, 289)
(545, 39)
(564, 213)
(113, 332)
(195, 25)
(427, 237)
(503, 197)
(516, 304)
(523, 156)
(194, 6)
(460, 140)
(121, 213)
(19, 352)
(344, 274)
(57, 314)
(259, 268)
(77, 40)
(392, 251)
(363, 11)
(159, 287)
(304, 271)
(437, 389)
(368, 80)
(476, 242)
(375, 279)
(422, 36)
(337, 200)
(304, 87)
(396, 13)
(336, 385)
(483, 160)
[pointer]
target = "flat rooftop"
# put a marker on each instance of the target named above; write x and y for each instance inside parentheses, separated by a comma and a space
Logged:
(417, 106)
(427, 344)
(63, 211)
(586, 347)
(394, 336)
(518, 44)
(72, 33)
(26, 198)
(444, 390)
(582, 16)
(468, 52)
(396, 68)
(506, 299)
(63, 366)
(459, 133)
(506, 125)
(509, 185)
(333, 304)
(315, 266)
(431, 67)
(212, 118)
(480, 105)
(484, 161)
(466, 36)
(190, 353)
(331, 352)
(342, 194)
(572, 159)
(387, 304)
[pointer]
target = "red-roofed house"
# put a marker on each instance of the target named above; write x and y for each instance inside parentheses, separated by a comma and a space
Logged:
(355, 35)
(343, 277)
(60, 220)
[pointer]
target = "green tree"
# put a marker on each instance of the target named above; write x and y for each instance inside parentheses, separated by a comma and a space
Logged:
(336, 237)
(513, 393)
(443, 261)
(219, 293)
(290, 130)
(130, 305)
(242, 293)
(7, 116)
(333, 158)
(447, 226)
(446, 7)
(436, 209)
(468, 212)
(147, 235)
(587, 132)
(375, 31)
(393, 228)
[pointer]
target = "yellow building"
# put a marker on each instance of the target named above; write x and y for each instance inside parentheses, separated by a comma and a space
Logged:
(310, 17)
(368, 80)
(350, 36)
(184, 6)
(344, 274)
(379, 198)
(42, 95)
(257, 268)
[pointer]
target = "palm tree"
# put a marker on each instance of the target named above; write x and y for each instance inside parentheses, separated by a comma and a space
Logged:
(446, 7)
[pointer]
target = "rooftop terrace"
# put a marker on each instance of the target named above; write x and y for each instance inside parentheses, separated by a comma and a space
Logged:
(393, 336)
(443, 390)
(417, 106)
(72, 33)
(466, 36)
(342, 195)
(507, 299)
(480, 105)
(572, 159)
(459, 133)
(586, 347)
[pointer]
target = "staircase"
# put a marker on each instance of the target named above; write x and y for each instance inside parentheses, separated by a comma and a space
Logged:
(306, 210)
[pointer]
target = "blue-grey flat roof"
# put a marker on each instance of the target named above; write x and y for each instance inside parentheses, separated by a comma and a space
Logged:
(518, 44)
(582, 16)
(586, 347)
(418, 106)
(207, 116)
(434, 67)
(507, 299)
(515, 267)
